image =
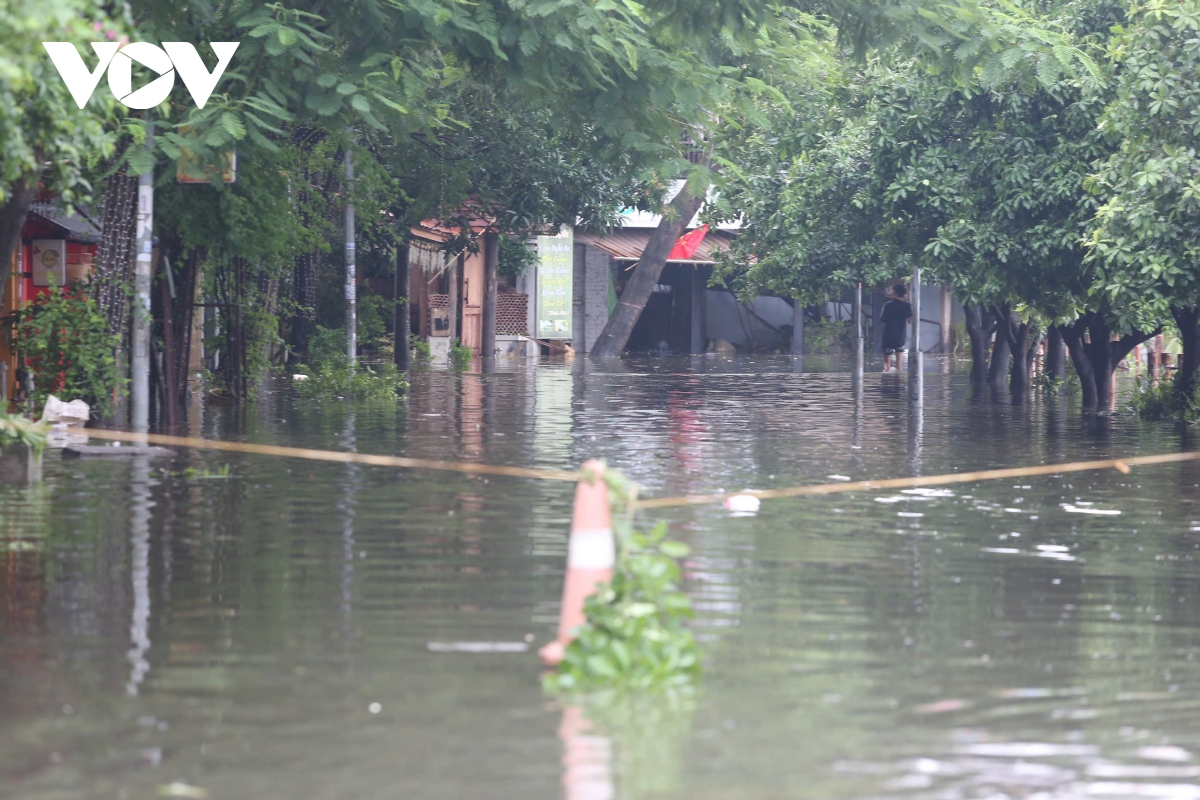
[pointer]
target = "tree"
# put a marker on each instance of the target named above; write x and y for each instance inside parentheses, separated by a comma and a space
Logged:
(46, 140)
(956, 38)
(802, 193)
(1143, 241)
(1001, 173)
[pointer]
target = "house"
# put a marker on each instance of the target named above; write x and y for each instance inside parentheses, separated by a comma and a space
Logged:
(55, 249)
(446, 292)
(676, 317)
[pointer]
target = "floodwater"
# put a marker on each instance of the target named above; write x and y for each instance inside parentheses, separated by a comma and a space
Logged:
(235, 626)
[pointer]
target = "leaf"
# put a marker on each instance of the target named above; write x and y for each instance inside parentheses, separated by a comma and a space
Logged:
(674, 549)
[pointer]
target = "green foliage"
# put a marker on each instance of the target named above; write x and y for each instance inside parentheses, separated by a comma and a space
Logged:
(420, 350)
(821, 336)
(327, 346)
(335, 381)
(332, 377)
(1143, 239)
(373, 313)
(516, 257)
(17, 430)
(46, 140)
(202, 474)
(460, 355)
(634, 636)
(1165, 400)
(69, 349)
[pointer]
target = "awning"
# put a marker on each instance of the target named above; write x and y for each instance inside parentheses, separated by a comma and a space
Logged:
(627, 244)
(72, 226)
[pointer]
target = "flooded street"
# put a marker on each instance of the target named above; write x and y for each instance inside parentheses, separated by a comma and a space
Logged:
(259, 627)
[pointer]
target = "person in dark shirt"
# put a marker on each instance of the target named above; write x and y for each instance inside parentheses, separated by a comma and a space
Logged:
(896, 316)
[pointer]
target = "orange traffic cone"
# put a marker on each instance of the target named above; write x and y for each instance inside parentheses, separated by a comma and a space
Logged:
(591, 554)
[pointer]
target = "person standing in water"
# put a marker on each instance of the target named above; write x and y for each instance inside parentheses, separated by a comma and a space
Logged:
(896, 316)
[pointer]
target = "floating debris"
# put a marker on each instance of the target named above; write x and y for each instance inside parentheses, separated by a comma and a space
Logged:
(1085, 508)
(743, 503)
(942, 707)
(180, 789)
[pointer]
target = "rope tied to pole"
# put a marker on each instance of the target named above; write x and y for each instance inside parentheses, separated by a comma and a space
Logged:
(1122, 465)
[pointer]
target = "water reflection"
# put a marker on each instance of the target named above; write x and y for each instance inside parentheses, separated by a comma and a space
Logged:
(139, 548)
(993, 640)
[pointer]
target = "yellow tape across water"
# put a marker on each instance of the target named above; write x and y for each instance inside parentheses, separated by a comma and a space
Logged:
(470, 468)
(1119, 464)
(466, 467)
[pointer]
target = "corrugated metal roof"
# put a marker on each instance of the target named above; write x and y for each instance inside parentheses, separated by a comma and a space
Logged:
(627, 244)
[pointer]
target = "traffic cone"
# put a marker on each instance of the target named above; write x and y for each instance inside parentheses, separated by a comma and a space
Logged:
(591, 554)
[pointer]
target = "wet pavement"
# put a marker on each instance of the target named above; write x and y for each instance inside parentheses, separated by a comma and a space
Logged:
(238, 626)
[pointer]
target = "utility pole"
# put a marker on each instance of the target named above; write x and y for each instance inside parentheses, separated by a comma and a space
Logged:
(401, 319)
(916, 379)
(797, 328)
(351, 285)
(144, 249)
(491, 259)
(857, 375)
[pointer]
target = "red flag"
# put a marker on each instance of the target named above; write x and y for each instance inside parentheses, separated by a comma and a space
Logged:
(688, 244)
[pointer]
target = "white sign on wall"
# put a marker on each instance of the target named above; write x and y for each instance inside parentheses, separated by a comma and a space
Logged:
(49, 262)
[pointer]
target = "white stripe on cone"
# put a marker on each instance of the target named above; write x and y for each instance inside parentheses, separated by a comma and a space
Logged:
(591, 554)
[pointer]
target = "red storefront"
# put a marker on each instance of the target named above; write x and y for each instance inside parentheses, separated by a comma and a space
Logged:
(55, 248)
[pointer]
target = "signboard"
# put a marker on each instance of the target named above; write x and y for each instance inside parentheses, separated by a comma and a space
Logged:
(188, 171)
(49, 262)
(555, 280)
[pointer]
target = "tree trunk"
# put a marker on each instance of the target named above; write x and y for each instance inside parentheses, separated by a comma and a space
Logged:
(617, 331)
(401, 319)
(12, 218)
(1072, 335)
(491, 258)
(1018, 385)
(1096, 356)
(1056, 355)
(978, 320)
(1001, 351)
(1188, 321)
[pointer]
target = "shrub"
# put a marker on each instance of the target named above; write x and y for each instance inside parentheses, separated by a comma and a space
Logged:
(1164, 401)
(332, 377)
(634, 636)
(460, 355)
(15, 429)
(420, 350)
(68, 347)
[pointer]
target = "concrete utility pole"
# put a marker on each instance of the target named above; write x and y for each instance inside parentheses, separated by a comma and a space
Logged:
(144, 248)
(916, 378)
(797, 328)
(857, 375)
(491, 262)
(351, 285)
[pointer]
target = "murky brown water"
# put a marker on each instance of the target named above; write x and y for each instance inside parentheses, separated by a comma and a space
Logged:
(999, 640)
